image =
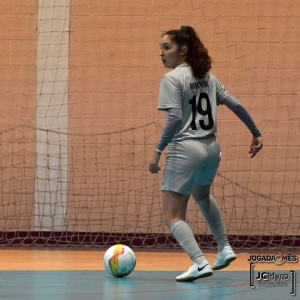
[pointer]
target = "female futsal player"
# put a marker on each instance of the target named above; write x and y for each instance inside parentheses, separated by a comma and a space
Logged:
(189, 95)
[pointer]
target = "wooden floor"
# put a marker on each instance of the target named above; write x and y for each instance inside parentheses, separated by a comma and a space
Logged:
(76, 274)
(147, 260)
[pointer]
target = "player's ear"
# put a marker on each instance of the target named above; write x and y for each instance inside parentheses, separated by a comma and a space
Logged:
(184, 50)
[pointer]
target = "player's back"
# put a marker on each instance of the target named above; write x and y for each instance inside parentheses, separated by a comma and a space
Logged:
(198, 103)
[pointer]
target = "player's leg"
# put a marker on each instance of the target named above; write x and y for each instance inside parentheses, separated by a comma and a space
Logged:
(212, 215)
(174, 207)
(182, 161)
(207, 204)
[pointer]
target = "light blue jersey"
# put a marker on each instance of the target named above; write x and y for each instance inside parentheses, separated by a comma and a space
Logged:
(198, 99)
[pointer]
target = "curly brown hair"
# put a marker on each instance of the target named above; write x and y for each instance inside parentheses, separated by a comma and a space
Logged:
(197, 56)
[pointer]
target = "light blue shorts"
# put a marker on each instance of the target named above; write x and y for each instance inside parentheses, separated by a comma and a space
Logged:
(190, 162)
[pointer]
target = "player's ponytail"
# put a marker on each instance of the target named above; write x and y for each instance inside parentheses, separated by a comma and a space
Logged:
(197, 56)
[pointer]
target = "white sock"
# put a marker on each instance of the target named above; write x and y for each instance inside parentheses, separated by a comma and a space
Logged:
(186, 239)
(213, 218)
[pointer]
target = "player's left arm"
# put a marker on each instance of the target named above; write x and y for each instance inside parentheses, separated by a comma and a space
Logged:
(174, 120)
(234, 105)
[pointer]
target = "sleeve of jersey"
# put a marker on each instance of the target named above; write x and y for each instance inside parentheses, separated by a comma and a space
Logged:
(169, 93)
(241, 112)
(224, 97)
(221, 92)
(174, 120)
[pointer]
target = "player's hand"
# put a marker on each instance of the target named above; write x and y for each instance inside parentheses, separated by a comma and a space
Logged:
(153, 166)
(256, 146)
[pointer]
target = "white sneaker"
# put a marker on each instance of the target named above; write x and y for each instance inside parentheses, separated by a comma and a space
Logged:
(195, 272)
(224, 258)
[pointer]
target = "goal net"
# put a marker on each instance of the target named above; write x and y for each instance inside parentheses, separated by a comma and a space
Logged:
(79, 123)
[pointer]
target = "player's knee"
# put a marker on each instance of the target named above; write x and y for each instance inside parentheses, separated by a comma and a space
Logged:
(201, 191)
(169, 220)
(203, 201)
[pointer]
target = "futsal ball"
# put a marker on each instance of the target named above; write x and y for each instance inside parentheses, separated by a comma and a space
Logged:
(119, 260)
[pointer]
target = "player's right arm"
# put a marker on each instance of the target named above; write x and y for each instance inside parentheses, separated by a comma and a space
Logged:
(242, 114)
(256, 146)
(223, 97)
